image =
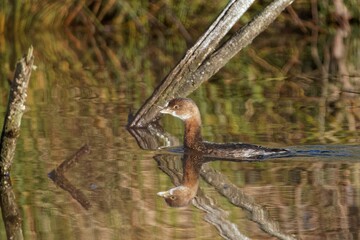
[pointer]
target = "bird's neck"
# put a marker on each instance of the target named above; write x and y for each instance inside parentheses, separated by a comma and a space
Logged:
(192, 136)
(191, 172)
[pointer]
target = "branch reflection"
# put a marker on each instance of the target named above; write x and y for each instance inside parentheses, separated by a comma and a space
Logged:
(187, 189)
(10, 210)
(186, 179)
(58, 177)
(214, 214)
(153, 137)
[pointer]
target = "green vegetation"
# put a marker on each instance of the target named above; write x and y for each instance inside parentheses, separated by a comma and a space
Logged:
(99, 60)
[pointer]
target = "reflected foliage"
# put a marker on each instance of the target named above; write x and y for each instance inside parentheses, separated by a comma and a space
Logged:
(290, 87)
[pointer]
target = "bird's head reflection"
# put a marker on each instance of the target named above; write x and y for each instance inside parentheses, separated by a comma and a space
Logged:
(178, 196)
(181, 196)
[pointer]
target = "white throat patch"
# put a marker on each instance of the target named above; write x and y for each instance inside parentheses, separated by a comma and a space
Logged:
(182, 117)
(181, 188)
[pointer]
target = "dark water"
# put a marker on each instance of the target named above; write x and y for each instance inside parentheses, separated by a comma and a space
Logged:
(75, 99)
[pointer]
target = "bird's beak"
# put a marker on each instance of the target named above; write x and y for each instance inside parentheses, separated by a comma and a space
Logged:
(165, 110)
(164, 194)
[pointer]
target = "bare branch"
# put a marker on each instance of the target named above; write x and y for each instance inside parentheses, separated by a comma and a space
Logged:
(15, 110)
(191, 61)
(201, 62)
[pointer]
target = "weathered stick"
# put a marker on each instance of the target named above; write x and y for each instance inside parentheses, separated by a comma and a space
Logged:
(10, 211)
(191, 61)
(15, 110)
(192, 70)
(235, 44)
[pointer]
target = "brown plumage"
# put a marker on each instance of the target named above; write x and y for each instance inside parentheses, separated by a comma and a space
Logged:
(181, 196)
(188, 112)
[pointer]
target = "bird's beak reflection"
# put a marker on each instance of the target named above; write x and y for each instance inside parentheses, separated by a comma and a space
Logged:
(164, 194)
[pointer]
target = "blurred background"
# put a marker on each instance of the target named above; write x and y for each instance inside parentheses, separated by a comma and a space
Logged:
(297, 85)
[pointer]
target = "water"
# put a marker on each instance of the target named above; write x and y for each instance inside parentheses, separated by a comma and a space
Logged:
(306, 196)
(78, 97)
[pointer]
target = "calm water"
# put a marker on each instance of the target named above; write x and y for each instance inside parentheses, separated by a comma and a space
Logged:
(83, 92)
(310, 197)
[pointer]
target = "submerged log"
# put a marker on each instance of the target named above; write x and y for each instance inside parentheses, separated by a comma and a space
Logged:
(205, 58)
(15, 110)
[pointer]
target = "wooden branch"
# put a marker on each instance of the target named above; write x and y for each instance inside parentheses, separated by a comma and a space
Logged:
(10, 210)
(191, 61)
(201, 62)
(15, 110)
(235, 44)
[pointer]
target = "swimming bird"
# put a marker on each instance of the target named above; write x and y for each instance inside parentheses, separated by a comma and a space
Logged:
(187, 110)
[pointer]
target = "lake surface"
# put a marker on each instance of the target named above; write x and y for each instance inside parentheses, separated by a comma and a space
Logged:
(86, 87)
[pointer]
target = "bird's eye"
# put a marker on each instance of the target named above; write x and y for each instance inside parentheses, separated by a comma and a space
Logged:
(176, 107)
(172, 197)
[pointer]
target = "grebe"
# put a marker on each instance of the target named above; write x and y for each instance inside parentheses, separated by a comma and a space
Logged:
(188, 112)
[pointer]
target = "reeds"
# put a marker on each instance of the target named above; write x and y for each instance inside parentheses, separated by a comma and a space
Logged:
(101, 14)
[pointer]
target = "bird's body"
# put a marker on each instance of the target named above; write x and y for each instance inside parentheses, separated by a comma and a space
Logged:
(196, 149)
(188, 112)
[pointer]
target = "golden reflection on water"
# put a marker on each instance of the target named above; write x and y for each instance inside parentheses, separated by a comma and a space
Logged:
(83, 92)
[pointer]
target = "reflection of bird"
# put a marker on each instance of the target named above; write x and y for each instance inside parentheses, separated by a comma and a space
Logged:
(180, 196)
(188, 112)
